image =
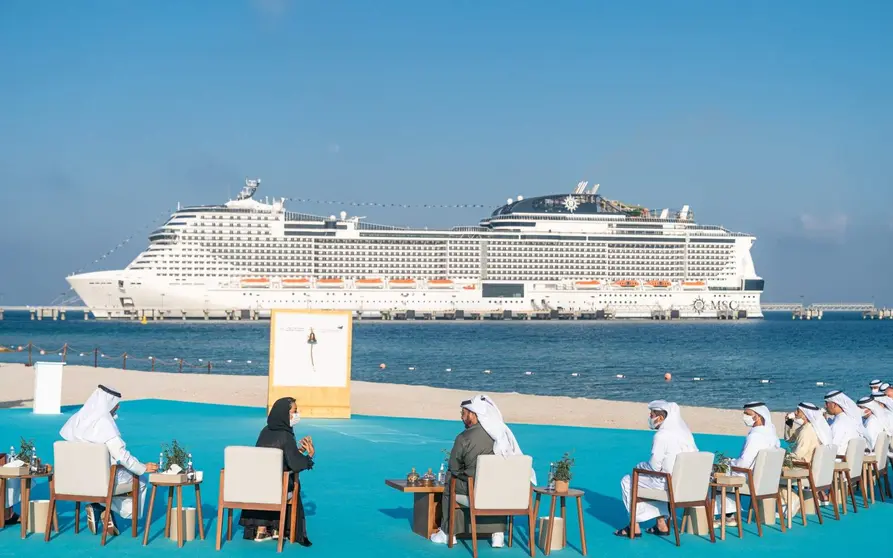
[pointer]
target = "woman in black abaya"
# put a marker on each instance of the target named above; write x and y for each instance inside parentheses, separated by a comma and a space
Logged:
(298, 456)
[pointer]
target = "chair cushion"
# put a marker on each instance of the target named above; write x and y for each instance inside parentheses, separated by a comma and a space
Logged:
(502, 483)
(81, 469)
(252, 475)
(656, 494)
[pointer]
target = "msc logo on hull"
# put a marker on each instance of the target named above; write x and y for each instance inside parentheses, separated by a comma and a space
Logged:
(699, 305)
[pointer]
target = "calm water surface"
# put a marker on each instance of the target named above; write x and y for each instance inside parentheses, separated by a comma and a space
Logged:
(579, 359)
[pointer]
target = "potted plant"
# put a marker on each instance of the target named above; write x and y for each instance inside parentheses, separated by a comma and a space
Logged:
(721, 464)
(563, 473)
(174, 454)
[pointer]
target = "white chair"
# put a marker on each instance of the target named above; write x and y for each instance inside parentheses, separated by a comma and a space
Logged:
(688, 486)
(872, 465)
(83, 473)
(821, 476)
(762, 483)
(849, 470)
(501, 487)
(253, 479)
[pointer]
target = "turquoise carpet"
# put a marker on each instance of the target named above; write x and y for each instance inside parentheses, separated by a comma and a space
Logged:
(351, 513)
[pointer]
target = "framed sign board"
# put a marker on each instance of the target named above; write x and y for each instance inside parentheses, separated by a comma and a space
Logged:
(310, 354)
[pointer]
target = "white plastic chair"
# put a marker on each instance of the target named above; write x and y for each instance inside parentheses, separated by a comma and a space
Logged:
(501, 487)
(688, 486)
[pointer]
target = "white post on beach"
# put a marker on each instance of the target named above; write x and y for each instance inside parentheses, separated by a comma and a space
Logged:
(48, 388)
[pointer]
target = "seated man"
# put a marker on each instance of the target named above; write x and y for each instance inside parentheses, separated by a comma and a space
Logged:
(805, 430)
(762, 435)
(94, 423)
(872, 419)
(672, 437)
(485, 434)
(847, 423)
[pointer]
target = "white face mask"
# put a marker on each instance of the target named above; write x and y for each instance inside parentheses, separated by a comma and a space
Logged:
(654, 424)
(799, 421)
(749, 421)
(294, 419)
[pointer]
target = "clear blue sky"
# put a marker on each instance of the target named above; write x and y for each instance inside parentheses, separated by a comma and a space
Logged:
(768, 117)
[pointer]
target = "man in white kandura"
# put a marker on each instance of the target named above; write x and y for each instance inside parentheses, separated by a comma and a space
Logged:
(847, 423)
(485, 434)
(94, 423)
(762, 435)
(672, 437)
(886, 403)
(872, 419)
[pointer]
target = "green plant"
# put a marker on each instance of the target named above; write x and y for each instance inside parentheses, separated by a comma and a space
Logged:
(563, 467)
(721, 463)
(25, 450)
(174, 454)
(788, 459)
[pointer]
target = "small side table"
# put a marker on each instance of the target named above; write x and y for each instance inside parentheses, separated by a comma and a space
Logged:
(790, 476)
(25, 480)
(156, 480)
(571, 493)
(721, 484)
(425, 507)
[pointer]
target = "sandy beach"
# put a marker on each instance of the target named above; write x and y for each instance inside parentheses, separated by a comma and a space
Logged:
(367, 398)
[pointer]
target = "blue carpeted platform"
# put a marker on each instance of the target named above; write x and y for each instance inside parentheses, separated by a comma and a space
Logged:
(351, 513)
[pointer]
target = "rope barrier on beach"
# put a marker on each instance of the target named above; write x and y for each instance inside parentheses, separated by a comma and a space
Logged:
(67, 352)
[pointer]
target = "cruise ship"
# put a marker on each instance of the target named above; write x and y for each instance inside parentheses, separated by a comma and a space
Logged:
(574, 252)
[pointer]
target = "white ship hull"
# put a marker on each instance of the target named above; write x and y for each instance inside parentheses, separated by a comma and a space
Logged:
(150, 297)
(577, 253)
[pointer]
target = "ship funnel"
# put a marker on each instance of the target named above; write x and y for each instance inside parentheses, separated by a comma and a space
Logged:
(581, 187)
(594, 189)
(683, 215)
(665, 213)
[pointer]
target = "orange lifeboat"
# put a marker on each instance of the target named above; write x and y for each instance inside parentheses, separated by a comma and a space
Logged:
(402, 283)
(440, 283)
(588, 284)
(369, 283)
(255, 283)
(659, 284)
(626, 284)
(299, 283)
(469, 287)
(693, 285)
(329, 283)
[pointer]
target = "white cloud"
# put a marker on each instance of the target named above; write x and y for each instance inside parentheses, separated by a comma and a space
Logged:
(827, 226)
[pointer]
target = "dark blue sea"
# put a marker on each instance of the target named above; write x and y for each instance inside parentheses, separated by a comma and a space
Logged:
(578, 359)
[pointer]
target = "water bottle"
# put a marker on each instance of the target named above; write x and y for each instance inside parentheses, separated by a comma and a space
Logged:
(12, 453)
(551, 476)
(33, 464)
(190, 472)
(441, 475)
(161, 468)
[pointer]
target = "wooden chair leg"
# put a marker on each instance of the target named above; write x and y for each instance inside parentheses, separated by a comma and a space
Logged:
(849, 485)
(452, 528)
(77, 518)
(282, 524)
(802, 502)
(675, 523)
(531, 526)
(755, 506)
(738, 518)
(220, 511)
(135, 523)
(50, 513)
(780, 509)
(633, 501)
(104, 517)
(877, 477)
(229, 524)
(474, 532)
(511, 528)
(708, 511)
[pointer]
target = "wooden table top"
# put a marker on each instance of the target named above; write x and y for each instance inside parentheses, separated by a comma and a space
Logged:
(45, 474)
(402, 486)
(727, 480)
(571, 492)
